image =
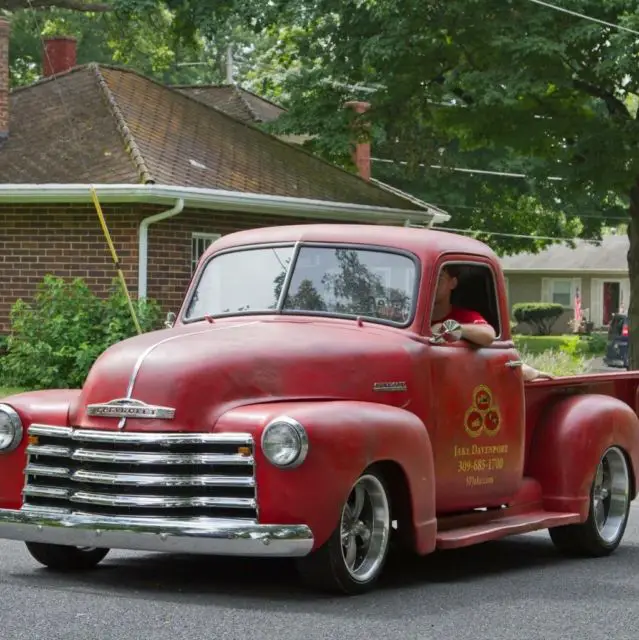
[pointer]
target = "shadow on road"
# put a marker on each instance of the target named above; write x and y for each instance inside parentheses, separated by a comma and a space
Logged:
(500, 571)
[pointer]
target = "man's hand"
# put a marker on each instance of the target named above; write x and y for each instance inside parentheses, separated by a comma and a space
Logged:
(531, 374)
(447, 331)
(479, 334)
(437, 328)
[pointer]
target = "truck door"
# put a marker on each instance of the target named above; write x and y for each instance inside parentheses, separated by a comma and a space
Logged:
(477, 403)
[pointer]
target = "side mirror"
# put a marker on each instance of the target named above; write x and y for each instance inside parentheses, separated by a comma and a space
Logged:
(170, 320)
(451, 332)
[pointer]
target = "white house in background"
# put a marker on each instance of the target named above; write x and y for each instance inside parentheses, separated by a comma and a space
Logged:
(597, 272)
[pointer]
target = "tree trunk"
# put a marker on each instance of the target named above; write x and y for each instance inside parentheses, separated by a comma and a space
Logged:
(633, 273)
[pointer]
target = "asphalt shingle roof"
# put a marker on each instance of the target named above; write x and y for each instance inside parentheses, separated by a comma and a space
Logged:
(234, 101)
(102, 124)
(610, 255)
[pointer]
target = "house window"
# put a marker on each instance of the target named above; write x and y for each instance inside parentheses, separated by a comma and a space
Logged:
(200, 242)
(560, 291)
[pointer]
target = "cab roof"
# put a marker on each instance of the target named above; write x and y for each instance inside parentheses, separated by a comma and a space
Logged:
(425, 243)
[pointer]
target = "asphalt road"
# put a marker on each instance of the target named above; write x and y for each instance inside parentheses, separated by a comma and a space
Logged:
(516, 589)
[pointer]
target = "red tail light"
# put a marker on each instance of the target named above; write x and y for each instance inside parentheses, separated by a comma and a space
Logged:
(624, 330)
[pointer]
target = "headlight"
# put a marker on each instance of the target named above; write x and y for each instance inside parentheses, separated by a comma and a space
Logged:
(10, 429)
(284, 442)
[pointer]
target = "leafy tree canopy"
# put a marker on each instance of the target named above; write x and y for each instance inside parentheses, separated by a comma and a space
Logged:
(499, 84)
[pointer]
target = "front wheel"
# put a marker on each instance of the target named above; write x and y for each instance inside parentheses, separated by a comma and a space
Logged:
(62, 558)
(602, 532)
(352, 559)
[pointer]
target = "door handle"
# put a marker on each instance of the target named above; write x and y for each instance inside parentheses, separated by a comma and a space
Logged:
(514, 364)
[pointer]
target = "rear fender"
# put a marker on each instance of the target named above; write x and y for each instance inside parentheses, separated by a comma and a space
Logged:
(568, 443)
(345, 438)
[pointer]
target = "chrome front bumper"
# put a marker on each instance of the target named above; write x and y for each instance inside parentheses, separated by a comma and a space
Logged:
(198, 535)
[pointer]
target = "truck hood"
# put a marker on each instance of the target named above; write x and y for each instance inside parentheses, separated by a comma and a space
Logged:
(203, 370)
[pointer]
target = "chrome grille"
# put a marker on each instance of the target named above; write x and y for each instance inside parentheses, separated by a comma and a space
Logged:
(138, 474)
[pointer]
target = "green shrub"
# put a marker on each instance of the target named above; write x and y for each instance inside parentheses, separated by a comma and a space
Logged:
(558, 363)
(541, 344)
(595, 344)
(55, 339)
(540, 316)
(574, 345)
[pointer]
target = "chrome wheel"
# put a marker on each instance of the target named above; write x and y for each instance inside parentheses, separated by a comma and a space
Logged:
(605, 526)
(610, 495)
(365, 528)
(352, 558)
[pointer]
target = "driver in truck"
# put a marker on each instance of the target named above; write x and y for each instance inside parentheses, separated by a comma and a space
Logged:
(473, 325)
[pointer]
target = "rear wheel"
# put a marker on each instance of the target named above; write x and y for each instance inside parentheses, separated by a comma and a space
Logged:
(352, 559)
(62, 558)
(602, 532)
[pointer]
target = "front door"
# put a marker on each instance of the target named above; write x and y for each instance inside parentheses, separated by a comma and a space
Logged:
(477, 408)
(479, 426)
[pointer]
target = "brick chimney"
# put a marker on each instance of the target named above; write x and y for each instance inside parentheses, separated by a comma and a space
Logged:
(4, 79)
(58, 55)
(362, 151)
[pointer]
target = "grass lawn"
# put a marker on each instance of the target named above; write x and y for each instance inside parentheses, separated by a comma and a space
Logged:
(562, 355)
(594, 345)
(7, 391)
(540, 344)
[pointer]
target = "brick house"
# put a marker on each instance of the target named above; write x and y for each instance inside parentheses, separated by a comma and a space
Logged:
(172, 173)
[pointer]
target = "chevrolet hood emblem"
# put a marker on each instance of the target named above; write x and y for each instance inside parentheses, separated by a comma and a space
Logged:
(128, 408)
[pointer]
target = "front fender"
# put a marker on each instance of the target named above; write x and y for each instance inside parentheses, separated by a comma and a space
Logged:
(568, 443)
(44, 407)
(345, 437)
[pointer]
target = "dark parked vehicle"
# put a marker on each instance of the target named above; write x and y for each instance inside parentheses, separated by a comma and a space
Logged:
(617, 347)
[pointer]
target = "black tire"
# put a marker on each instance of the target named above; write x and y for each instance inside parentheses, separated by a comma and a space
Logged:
(607, 519)
(62, 558)
(327, 568)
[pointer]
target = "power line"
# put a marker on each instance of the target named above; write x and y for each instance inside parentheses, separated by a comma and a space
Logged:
(582, 213)
(512, 235)
(584, 16)
(504, 174)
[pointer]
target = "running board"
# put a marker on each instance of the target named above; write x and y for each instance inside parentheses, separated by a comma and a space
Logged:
(502, 527)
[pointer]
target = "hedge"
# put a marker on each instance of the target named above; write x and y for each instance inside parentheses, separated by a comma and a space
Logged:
(540, 316)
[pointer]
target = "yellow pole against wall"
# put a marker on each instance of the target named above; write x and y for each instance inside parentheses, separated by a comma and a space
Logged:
(114, 255)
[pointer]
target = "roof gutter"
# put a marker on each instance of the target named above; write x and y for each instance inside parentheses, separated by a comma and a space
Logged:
(218, 200)
(143, 242)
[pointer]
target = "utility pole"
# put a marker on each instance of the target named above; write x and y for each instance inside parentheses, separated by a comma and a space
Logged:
(229, 64)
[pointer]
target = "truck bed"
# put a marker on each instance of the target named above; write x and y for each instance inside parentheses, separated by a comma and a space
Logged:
(539, 394)
(622, 385)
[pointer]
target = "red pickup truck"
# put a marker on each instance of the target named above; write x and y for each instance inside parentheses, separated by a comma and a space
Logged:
(300, 406)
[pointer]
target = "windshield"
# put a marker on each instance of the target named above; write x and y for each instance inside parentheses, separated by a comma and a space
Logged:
(353, 282)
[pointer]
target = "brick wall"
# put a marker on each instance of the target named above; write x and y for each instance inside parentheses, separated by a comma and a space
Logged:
(65, 241)
(169, 270)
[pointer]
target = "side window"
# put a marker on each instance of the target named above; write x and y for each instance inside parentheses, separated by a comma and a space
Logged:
(200, 242)
(475, 290)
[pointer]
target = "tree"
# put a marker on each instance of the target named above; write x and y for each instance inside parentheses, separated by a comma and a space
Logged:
(151, 45)
(510, 83)
(517, 85)
(73, 5)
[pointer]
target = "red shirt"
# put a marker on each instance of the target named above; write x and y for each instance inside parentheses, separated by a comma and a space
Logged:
(463, 316)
